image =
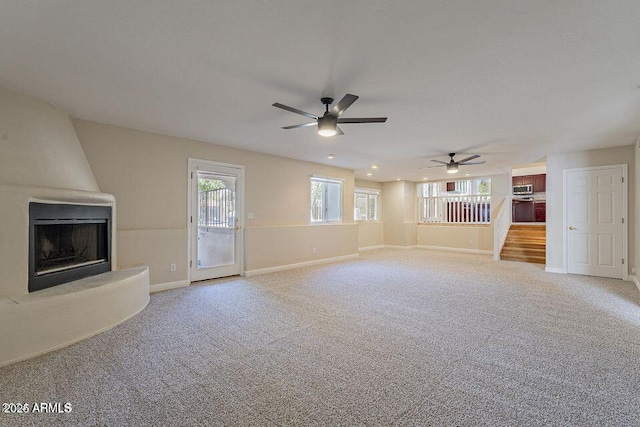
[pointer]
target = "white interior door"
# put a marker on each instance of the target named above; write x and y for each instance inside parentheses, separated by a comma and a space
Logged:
(215, 220)
(596, 208)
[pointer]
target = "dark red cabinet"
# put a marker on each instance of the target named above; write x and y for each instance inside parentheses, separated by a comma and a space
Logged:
(523, 211)
(540, 211)
(539, 183)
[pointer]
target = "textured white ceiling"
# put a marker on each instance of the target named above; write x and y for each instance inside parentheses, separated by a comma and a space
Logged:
(511, 80)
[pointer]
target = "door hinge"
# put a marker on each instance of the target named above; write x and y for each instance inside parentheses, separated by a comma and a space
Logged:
(191, 219)
(190, 263)
(622, 260)
(191, 175)
(623, 220)
(623, 179)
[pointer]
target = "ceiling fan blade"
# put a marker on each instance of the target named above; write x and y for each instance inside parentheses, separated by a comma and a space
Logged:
(344, 103)
(303, 125)
(295, 110)
(475, 156)
(339, 131)
(436, 166)
(473, 163)
(440, 161)
(364, 120)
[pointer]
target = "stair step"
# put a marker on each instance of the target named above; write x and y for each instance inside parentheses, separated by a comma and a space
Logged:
(527, 227)
(527, 233)
(525, 239)
(530, 245)
(525, 258)
(523, 251)
(525, 243)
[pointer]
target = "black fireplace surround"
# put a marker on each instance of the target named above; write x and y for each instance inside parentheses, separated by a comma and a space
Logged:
(67, 242)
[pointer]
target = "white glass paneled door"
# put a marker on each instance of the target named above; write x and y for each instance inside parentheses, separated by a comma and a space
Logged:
(215, 219)
(595, 229)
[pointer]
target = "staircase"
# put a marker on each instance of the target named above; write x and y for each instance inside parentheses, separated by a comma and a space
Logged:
(526, 243)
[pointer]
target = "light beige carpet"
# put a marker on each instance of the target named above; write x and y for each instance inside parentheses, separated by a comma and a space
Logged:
(397, 337)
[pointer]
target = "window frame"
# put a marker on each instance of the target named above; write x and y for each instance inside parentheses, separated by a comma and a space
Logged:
(326, 180)
(368, 192)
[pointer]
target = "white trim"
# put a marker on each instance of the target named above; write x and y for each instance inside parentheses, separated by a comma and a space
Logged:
(328, 178)
(370, 248)
(625, 212)
(400, 247)
(634, 279)
(168, 285)
(298, 265)
(555, 270)
(239, 171)
(366, 190)
(448, 249)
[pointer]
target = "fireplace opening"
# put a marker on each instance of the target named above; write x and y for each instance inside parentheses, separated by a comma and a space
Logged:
(67, 242)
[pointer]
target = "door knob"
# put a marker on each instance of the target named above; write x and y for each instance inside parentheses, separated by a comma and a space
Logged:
(571, 228)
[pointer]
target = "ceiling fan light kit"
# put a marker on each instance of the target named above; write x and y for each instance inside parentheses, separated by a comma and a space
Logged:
(328, 123)
(453, 166)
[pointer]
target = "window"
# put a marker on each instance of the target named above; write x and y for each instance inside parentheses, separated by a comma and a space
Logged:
(461, 201)
(326, 200)
(365, 204)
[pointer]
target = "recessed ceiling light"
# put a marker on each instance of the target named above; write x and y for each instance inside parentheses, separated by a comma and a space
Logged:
(369, 174)
(424, 179)
(466, 174)
(374, 166)
(331, 156)
(397, 179)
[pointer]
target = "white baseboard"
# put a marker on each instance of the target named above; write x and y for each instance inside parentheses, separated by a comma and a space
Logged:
(635, 280)
(554, 270)
(400, 247)
(298, 265)
(463, 250)
(370, 248)
(168, 285)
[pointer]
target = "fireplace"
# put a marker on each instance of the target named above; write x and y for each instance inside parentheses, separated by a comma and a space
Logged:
(67, 242)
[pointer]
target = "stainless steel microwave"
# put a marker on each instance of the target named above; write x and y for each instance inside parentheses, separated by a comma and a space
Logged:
(523, 189)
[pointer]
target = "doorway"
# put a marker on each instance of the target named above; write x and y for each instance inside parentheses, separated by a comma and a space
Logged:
(216, 237)
(595, 228)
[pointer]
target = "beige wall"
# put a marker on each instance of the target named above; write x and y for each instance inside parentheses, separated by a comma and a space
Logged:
(268, 245)
(399, 213)
(370, 234)
(148, 174)
(365, 183)
(39, 147)
(466, 237)
(556, 163)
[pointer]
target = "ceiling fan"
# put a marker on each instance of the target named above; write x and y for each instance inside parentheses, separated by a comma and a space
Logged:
(328, 123)
(452, 165)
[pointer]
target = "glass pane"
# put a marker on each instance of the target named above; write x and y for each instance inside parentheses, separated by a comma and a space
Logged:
(361, 207)
(216, 220)
(62, 246)
(317, 208)
(373, 207)
(333, 206)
